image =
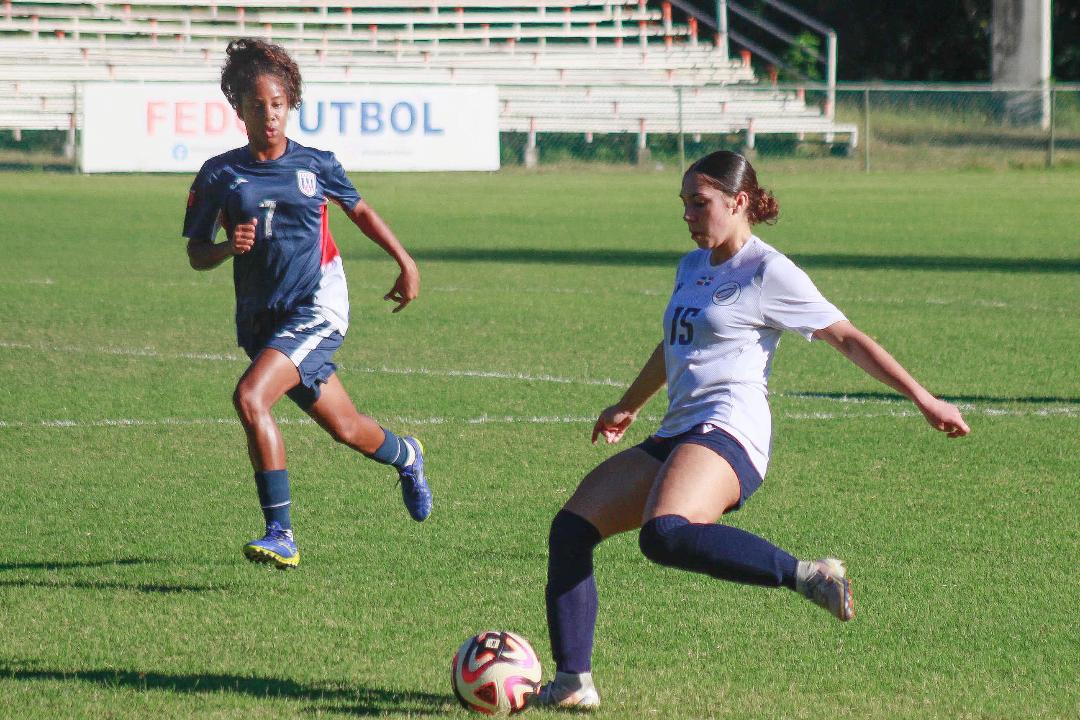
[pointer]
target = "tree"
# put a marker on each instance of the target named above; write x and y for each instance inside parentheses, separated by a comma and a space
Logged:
(925, 40)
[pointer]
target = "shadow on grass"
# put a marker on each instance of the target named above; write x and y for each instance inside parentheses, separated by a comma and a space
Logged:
(358, 700)
(951, 263)
(66, 564)
(894, 397)
(148, 587)
(143, 587)
(670, 258)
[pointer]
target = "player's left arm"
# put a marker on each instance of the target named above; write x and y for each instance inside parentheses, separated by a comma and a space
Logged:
(407, 286)
(860, 349)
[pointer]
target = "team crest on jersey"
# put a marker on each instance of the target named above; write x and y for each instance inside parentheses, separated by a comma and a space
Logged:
(705, 280)
(305, 180)
(726, 294)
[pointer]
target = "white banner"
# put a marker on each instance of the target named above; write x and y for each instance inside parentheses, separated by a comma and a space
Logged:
(168, 127)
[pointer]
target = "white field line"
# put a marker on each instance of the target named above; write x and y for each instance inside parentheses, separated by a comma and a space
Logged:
(491, 374)
(495, 419)
(969, 410)
(648, 292)
(128, 352)
(151, 353)
(525, 377)
(484, 419)
(384, 370)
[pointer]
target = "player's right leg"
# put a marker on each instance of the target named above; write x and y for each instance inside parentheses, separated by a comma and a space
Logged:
(270, 375)
(608, 501)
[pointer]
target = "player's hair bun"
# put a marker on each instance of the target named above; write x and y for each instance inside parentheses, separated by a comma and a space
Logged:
(763, 207)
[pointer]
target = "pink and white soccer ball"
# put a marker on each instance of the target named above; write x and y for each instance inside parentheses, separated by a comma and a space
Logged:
(494, 673)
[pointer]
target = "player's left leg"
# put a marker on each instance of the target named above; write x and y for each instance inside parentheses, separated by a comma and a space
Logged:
(335, 412)
(695, 487)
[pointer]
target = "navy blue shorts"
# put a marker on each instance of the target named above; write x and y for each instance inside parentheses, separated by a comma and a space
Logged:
(309, 340)
(721, 443)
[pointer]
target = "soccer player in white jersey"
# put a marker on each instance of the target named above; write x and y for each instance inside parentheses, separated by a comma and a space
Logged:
(733, 297)
(292, 305)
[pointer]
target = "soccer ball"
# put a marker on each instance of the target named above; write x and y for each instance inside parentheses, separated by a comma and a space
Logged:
(494, 672)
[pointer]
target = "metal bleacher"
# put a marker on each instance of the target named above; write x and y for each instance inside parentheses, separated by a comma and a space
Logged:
(590, 66)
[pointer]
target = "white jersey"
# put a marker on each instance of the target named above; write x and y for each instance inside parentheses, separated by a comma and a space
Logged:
(721, 329)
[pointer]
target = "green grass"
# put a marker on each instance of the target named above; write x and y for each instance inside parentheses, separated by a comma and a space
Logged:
(127, 494)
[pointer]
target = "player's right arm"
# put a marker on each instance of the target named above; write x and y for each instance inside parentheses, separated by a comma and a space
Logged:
(614, 421)
(205, 215)
(205, 254)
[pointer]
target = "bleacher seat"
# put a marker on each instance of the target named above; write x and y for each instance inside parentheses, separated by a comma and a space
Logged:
(590, 66)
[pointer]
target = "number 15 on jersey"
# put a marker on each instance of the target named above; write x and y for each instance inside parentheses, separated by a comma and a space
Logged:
(682, 331)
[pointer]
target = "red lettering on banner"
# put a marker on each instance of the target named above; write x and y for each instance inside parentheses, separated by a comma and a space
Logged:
(216, 117)
(185, 118)
(190, 118)
(155, 113)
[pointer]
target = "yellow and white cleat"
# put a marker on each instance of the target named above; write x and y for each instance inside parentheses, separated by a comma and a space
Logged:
(277, 547)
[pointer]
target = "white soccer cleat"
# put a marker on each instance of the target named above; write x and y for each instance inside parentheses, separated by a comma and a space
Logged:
(825, 583)
(568, 691)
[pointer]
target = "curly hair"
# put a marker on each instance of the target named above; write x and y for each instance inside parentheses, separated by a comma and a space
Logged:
(731, 173)
(248, 58)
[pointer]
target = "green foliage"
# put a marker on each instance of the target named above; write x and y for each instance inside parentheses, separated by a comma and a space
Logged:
(127, 492)
(802, 58)
(34, 149)
(51, 141)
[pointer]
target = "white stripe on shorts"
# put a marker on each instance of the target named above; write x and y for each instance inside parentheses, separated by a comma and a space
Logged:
(299, 354)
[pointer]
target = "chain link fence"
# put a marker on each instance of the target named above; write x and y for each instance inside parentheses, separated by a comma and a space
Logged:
(911, 126)
(896, 127)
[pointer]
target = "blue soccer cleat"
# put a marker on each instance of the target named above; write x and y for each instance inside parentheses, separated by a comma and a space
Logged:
(277, 547)
(414, 488)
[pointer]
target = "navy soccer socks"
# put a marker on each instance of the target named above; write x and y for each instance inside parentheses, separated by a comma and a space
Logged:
(721, 551)
(571, 591)
(393, 451)
(273, 487)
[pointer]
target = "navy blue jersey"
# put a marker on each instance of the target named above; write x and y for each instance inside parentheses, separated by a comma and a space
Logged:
(294, 261)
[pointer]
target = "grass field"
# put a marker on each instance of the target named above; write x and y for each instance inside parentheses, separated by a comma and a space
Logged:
(127, 493)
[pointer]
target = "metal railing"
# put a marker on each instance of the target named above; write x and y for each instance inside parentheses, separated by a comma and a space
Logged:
(789, 27)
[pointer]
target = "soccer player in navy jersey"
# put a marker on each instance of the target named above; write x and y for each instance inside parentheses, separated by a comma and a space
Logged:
(292, 306)
(733, 296)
